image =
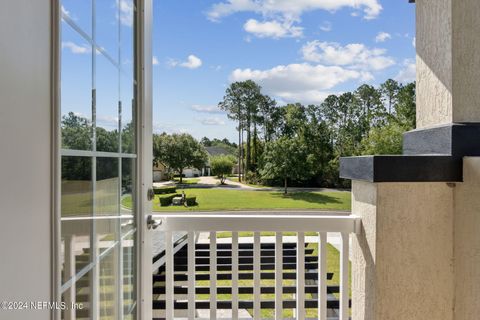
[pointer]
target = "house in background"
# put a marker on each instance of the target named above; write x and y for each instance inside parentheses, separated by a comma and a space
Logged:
(159, 172)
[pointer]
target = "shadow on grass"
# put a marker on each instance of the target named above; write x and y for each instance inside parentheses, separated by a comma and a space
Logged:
(308, 197)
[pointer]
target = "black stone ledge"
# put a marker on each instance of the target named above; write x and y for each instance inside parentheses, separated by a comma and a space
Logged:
(456, 139)
(402, 168)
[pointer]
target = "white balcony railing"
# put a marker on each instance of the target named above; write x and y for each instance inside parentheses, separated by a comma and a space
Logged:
(299, 223)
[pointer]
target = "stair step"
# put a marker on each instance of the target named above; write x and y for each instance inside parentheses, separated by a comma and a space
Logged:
(241, 276)
(246, 290)
(332, 303)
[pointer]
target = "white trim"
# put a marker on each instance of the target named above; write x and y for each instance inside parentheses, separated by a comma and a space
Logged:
(144, 21)
(258, 222)
(56, 158)
(97, 154)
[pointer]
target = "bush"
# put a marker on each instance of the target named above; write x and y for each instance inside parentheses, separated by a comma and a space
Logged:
(165, 201)
(165, 190)
(253, 178)
(222, 166)
(191, 201)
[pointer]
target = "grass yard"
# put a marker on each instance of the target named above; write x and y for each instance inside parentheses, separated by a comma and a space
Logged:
(235, 179)
(221, 199)
(187, 180)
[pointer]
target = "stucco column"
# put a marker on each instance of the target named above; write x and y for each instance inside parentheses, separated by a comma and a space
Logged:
(402, 261)
(418, 255)
(448, 76)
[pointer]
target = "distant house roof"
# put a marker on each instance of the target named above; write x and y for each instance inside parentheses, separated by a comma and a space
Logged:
(217, 151)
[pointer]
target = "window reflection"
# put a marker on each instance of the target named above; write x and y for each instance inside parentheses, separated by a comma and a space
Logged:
(76, 209)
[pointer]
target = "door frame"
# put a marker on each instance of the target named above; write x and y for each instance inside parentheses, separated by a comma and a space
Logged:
(144, 156)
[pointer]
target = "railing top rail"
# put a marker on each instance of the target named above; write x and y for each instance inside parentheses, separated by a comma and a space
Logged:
(259, 221)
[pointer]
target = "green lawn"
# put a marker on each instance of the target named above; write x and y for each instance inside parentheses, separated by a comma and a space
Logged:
(187, 180)
(235, 179)
(221, 199)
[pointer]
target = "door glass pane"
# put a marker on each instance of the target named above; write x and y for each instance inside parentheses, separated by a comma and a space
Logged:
(107, 187)
(127, 9)
(79, 293)
(109, 284)
(128, 191)
(76, 211)
(129, 272)
(76, 86)
(128, 110)
(107, 105)
(107, 26)
(78, 12)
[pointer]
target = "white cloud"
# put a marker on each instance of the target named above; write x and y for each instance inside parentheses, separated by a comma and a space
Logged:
(192, 62)
(408, 73)
(155, 61)
(206, 109)
(170, 128)
(414, 42)
(126, 12)
(212, 121)
(354, 55)
(291, 9)
(303, 83)
(382, 37)
(76, 49)
(326, 26)
(273, 29)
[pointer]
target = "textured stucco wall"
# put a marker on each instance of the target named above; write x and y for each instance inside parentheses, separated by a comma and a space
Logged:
(448, 76)
(434, 61)
(414, 251)
(466, 61)
(467, 242)
(364, 199)
(404, 257)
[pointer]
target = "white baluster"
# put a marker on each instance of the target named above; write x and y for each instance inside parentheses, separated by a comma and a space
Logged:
(191, 275)
(213, 275)
(235, 275)
(344, 261)
(169, 280)
(278, 276)
(322, 276)
(300, 310)
(256, 276)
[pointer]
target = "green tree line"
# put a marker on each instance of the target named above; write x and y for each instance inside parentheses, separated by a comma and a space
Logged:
(302, 144)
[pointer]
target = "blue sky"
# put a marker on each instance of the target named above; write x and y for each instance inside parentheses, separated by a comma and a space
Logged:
(298, 51)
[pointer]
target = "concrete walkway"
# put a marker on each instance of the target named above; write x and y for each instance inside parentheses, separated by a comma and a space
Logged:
(214, 183)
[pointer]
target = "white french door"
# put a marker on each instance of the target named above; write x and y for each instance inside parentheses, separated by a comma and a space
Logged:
(103, 247)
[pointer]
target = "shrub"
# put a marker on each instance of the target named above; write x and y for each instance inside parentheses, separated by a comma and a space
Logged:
(164, 190)
(253, 178)
(191, 201)
(165, 201)
(222, 166)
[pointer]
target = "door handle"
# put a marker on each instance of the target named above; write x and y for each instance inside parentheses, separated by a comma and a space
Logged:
(152, 223)
(150, 194)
